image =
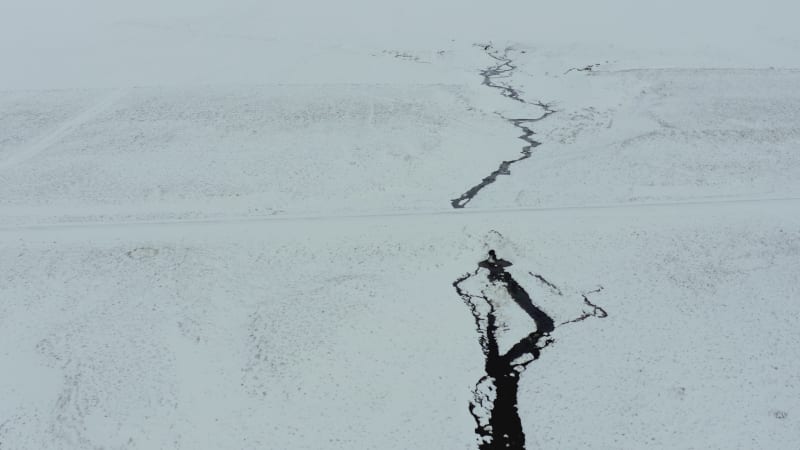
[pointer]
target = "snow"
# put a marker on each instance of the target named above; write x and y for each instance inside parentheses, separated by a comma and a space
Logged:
(228, 224)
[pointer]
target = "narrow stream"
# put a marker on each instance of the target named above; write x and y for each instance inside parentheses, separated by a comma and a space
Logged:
(503, 69)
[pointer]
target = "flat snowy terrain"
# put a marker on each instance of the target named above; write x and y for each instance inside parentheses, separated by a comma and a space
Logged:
(247, 225)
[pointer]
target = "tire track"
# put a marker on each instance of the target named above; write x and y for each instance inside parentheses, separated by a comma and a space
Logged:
(701, 206)
(48, 140)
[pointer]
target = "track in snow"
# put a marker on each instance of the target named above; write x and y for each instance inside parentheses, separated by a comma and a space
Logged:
(43, 143)
(702, 206)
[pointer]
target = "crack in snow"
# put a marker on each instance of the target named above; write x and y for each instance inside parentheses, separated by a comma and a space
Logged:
(587, 68)
(597, 311)
(503, 69)
(544, 281)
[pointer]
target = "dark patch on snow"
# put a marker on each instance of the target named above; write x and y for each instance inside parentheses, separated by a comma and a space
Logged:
(780, 414)
(142, 253)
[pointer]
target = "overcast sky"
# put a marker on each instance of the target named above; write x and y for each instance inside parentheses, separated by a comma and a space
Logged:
(52, 43)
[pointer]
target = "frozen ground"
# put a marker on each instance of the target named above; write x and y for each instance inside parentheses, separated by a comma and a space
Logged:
(232, 226)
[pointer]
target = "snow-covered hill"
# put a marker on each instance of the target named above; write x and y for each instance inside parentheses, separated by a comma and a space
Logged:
(259, 225)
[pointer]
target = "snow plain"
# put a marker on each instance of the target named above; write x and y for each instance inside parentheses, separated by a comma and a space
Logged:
(229, 225)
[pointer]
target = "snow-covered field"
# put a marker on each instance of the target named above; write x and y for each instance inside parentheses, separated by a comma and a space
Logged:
(233, 225)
